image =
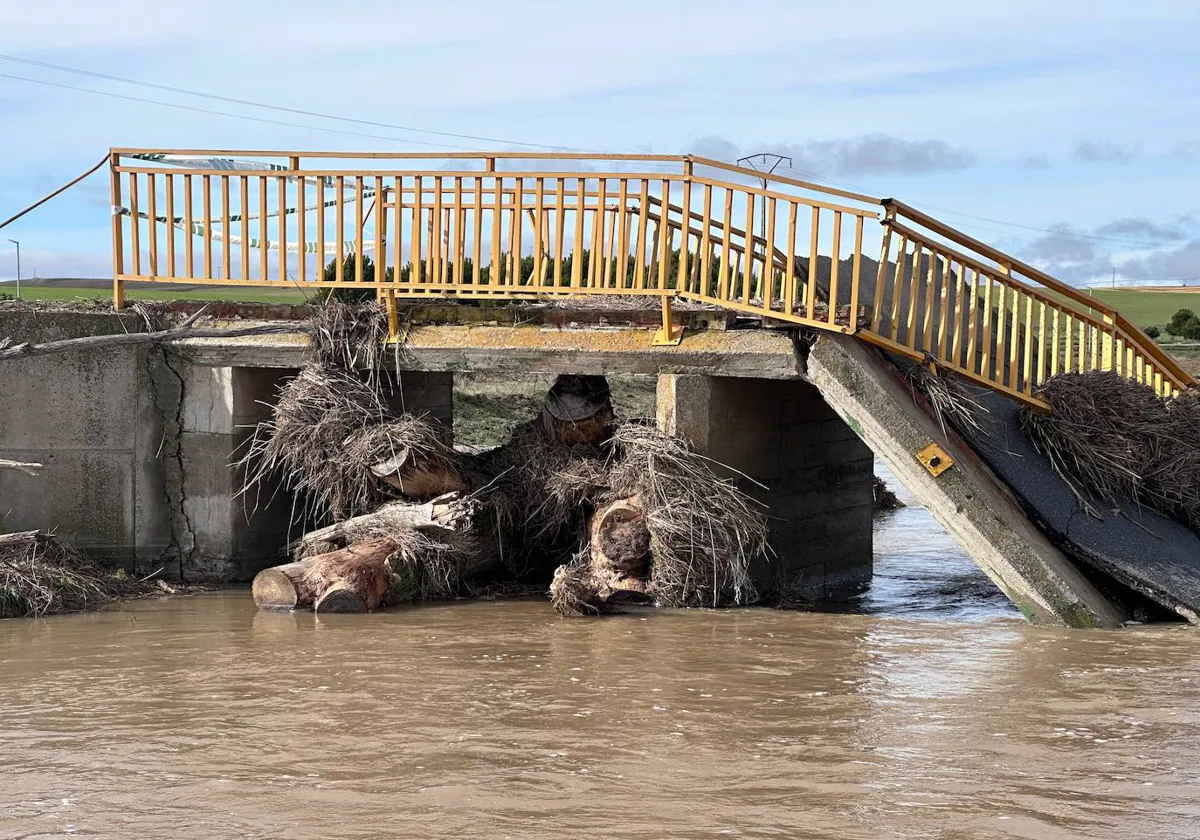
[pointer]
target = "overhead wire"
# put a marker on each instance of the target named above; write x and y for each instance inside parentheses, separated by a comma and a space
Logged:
(227, 113)
(414, 129)
(299, 111)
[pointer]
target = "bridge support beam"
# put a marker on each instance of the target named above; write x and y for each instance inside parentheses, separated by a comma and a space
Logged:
(967, 499)
(815, 475)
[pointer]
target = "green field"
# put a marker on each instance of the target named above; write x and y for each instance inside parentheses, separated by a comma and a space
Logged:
(1148, 308)
(1144, 308)
(40, 292)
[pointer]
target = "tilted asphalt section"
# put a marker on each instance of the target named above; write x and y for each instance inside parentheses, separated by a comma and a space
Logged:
(1148, 552)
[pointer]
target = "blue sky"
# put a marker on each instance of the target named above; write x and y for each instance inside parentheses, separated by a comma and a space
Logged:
(1076, 117)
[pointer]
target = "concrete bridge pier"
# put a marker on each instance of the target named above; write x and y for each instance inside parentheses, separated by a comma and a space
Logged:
(813, 473)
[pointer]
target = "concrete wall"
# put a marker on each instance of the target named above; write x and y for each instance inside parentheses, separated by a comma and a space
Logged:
(90, 419)
(138, 445)
(815, 470)
(221, 534)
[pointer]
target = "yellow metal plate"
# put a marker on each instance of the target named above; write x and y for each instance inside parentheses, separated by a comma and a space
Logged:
(664, 339)
(935, 459)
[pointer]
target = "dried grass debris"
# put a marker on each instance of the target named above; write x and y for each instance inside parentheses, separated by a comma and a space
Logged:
(304, 442)
(1115, 439)
(41, 575)
(704, 530)
(349, 335)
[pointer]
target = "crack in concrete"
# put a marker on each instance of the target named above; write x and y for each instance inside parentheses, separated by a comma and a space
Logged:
(183, 538)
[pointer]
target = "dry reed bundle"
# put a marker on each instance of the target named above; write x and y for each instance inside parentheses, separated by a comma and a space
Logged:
(305, 441)
(1114, 438)
(704, 530)
(1179, 474)
(349, 335)
(39, 575)
(951, 399)
(542, 489)
(573, 592)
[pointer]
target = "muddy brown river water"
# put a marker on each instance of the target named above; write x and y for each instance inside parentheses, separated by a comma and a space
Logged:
(934, 711)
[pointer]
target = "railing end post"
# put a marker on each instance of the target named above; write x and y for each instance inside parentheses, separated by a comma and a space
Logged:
(393, 315)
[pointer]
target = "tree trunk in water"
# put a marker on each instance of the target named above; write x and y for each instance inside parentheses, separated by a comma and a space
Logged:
(340, 598)
(279, 588)
(578, 410)
(620, 548)
(359, 570)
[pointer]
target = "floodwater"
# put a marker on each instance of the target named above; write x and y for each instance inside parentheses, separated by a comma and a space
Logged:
(934, 712)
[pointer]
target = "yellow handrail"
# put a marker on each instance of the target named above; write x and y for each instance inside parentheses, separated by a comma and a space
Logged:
(569, 224)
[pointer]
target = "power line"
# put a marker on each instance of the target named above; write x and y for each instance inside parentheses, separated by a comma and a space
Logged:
(282, 108)
(228, 114)
(481, 138)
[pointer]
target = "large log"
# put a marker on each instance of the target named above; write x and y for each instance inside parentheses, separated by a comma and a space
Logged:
(360, 570)
(619, 540)
(419, 479)
(578, 410)
(279, 588)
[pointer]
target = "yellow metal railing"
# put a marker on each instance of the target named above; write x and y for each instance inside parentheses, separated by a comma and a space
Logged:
(524, 225)
(944, 297)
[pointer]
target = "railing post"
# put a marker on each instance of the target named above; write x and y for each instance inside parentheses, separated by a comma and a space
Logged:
(301, 233)
(670, 333)
(393, 316)
(117, 232)
(681, 280)
(1109, 340)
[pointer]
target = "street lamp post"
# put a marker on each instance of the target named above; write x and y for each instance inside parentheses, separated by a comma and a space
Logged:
(18, 244)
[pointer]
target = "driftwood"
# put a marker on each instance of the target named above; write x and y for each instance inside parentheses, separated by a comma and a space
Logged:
(25, 467)
(439, 518)
(21, 538)
(279, 588)
(578, 410)
(417, 478)
(183, 330)
(352, 579)
(620, 548)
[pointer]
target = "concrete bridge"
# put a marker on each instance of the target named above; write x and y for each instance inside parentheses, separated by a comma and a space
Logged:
(775, 339)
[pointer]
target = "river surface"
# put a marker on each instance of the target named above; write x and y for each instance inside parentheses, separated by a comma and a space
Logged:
(932, 712)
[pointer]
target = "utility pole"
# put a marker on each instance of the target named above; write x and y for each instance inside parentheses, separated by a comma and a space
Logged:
(18, 244)
(1114, 280)
(765, 162)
